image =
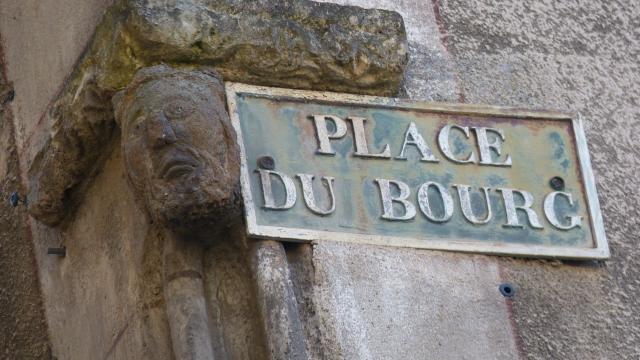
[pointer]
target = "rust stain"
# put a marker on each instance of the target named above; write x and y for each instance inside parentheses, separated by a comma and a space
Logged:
(513, 324)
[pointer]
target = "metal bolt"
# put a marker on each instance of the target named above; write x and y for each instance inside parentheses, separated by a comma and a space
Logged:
(14, 199)
(507, 289)
(266, 162)
(557, 183)
(60, 251)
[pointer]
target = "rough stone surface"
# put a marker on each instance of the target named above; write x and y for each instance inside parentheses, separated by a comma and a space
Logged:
(371, 302)
(298, 44)
(43, 39)
(105, 298)
(291, 43)
(89, 291)
(23, 327)
(230, 289)
(277, 302)
(578, 57)
(180, 149)
(429, 74)
(182, 162)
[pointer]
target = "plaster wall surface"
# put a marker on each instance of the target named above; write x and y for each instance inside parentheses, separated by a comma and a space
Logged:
(361, 301)
(23, 328)
(577, 56)
(42, 41)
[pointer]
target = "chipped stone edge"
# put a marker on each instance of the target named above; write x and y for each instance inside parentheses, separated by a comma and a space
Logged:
(81, 114)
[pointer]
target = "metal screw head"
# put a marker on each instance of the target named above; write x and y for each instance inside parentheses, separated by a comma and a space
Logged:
(14, 199)
(557, 183)
(507, 289)
(266, 162)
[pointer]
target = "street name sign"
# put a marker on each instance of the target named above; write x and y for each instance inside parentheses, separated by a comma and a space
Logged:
(319, 166)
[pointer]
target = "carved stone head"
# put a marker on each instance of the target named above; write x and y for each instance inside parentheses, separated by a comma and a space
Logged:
(180, 148)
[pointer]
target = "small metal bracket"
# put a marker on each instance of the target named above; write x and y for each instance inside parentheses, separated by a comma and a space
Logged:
(266, 162)
(557, 183)
(15, 200)
(60, 251)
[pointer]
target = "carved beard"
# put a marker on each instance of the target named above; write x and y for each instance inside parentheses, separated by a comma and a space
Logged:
(200, 204)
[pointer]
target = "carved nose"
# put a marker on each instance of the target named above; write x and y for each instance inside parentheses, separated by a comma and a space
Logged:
(161, 133)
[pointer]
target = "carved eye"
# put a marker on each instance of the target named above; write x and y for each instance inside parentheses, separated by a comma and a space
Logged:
(177, 110)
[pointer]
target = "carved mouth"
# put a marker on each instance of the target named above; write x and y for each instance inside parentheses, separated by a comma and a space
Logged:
(178, 166)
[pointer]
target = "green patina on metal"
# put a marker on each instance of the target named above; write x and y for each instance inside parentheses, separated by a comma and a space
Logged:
(540, 148)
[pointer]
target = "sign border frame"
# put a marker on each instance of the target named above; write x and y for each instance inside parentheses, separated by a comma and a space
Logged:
(600, 251)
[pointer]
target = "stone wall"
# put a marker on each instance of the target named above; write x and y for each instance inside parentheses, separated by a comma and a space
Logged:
(356, 301)
(569, 56)
(23, 328)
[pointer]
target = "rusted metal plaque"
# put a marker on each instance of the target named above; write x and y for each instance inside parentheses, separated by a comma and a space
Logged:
(322, 166)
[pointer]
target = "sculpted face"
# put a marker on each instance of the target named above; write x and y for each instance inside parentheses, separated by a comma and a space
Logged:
(179, 148)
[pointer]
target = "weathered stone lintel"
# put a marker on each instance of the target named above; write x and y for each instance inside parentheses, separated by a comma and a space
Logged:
(286, 43)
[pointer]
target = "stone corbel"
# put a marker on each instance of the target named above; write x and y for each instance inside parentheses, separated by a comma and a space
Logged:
(287, 43)
(296, 44)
